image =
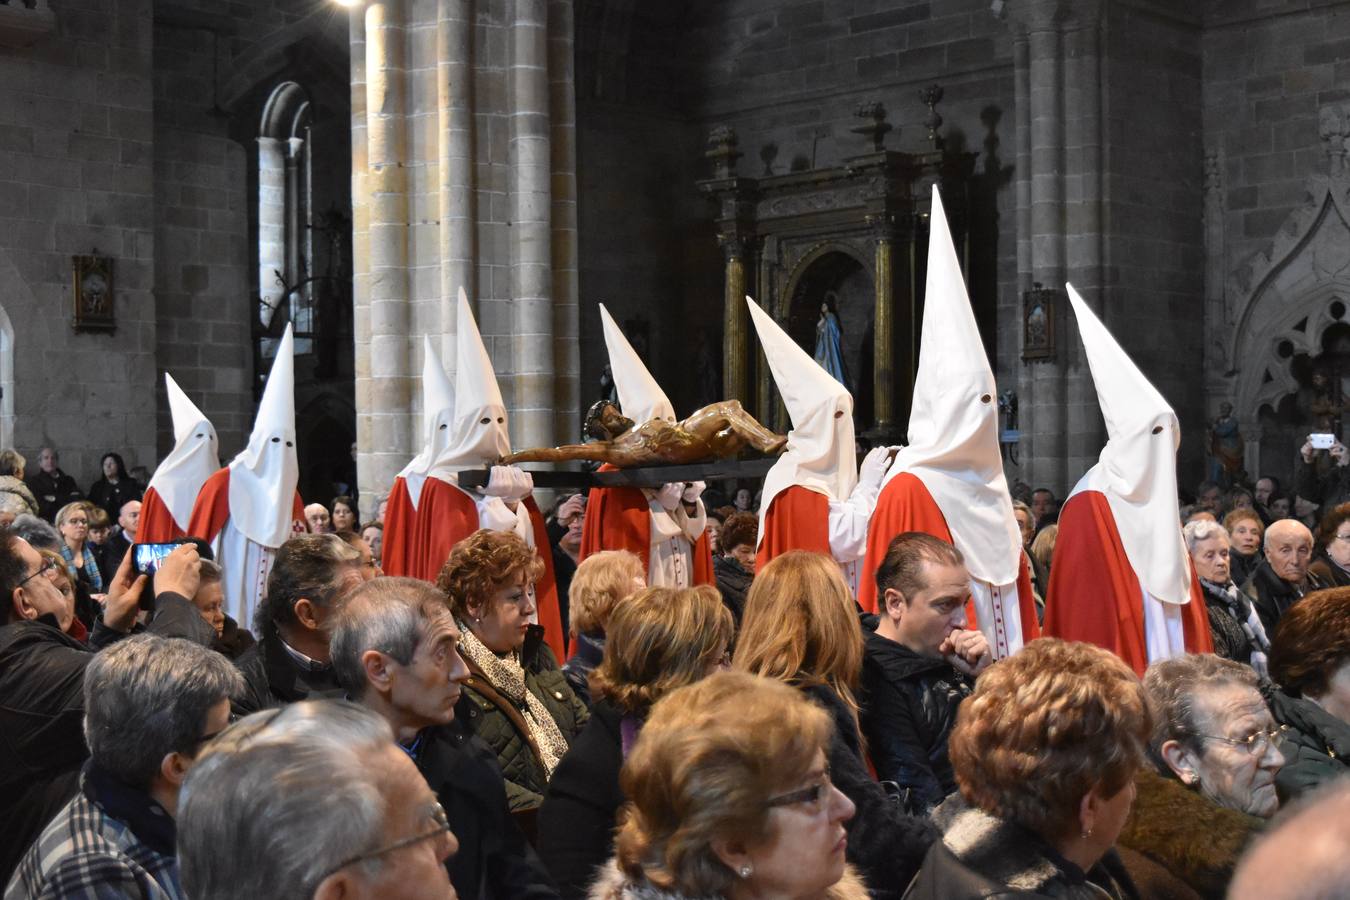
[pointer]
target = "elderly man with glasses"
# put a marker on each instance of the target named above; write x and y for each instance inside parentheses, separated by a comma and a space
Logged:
(42, 673)
(355, 821)
(150, 703)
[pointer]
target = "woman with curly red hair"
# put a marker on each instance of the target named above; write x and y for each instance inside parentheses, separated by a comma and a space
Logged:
(516, 698)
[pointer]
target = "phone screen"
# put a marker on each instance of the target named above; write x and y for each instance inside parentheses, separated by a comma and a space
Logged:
(149, 556)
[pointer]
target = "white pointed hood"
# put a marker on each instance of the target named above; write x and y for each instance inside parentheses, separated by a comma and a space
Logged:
(263, 477)
(1137, 469)
(194, 458)
(438, 412)
(821, 452)
(639, 395)
(478, 434)
(953, 422)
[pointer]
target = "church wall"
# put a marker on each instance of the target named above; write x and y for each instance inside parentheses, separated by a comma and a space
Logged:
(787, 78)
(1153, 254)
(76, 173)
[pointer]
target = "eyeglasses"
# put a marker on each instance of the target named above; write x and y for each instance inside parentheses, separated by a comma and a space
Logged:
(812, 795)
(437, 813)
(1343, 537)
(1256, 743)
(77, 521)
(48, 565)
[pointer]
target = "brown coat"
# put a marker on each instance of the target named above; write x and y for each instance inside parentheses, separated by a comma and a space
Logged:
(1186, 834)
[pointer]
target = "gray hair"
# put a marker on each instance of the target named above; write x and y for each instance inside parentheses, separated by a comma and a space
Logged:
(210, 571)
(280, 800)
(1173, 685)
(390, 615)
(37, 532)
(14, 503)
(1201, 530)
(309, 566)
(146, 697)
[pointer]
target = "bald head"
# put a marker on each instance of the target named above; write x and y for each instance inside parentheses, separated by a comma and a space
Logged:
(1313, 842)
(316, 515)
(1288, 548)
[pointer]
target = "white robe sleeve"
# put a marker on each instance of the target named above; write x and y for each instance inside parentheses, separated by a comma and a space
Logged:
(848, 522)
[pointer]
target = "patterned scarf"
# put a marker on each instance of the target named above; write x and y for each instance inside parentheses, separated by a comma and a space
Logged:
(508, 677)
(1241, 609)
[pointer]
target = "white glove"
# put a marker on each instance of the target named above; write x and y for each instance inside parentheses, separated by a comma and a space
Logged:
(874, 467)
(509, 483)
(693, 491)
(668, 495)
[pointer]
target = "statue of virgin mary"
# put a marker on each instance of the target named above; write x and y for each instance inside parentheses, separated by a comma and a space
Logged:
(829, 342)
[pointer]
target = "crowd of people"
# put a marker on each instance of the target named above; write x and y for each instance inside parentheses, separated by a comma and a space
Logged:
(888, 674)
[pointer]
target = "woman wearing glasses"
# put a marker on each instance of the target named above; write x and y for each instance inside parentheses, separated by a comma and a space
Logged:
(72, 520)
(1217, 752)
(516, 698)
(801, 628)
(1331, 562)
(730, 797)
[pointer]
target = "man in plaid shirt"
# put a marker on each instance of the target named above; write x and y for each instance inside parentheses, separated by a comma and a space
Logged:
(150, 704)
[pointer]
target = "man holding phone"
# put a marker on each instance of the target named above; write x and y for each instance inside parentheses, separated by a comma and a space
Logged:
(1328, 489)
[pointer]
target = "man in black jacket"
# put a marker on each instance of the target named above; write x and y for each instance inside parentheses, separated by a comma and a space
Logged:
(51, 487)
(310, 578)
(394, 652)
(1282, 577)
(42, 683)
(919, 665)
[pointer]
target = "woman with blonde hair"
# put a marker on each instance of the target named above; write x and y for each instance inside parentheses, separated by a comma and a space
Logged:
(516, 699)
(599, 583)
(1045, 753)
(72, 520)
(730, 796)
(660, 639)
(801, 627)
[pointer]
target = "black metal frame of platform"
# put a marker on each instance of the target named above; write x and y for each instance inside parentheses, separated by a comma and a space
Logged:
(647, 476)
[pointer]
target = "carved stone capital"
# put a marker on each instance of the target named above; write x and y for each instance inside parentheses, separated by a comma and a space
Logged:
(738, 244)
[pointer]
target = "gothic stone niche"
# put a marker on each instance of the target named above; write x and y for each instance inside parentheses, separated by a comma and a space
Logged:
(1289, 298)
(856, 234)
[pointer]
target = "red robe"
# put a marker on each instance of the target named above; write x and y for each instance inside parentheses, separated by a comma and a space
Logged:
(213, 507)
(906, 505)
(797, 519)
(157, 525)
(619, 518)
(1094, 594)
(446, 515)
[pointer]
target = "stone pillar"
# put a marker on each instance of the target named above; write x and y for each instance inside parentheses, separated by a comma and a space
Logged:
(271, 223)
(1217, 326)
(883, 334)
(563, 161)
(454, 86)
(531, 257)
(387, 398)
(295, 148)
(736, 337)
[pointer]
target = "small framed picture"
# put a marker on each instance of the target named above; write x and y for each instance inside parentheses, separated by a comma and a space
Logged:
(94, 293)
(1038, 323)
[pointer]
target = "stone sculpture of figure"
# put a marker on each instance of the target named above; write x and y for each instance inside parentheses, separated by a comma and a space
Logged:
(829, 343)
(717, 431)
(1225, 447)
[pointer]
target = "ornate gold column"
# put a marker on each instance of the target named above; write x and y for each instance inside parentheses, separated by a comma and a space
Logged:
(883, 328)
(735, 324)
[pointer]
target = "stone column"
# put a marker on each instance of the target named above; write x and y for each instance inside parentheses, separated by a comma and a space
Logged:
(386, 401)
(531, 257)
(271, 223)
(454, 84)
(1217, 325)
(566, 385)
(295, 148)
(735, 327)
